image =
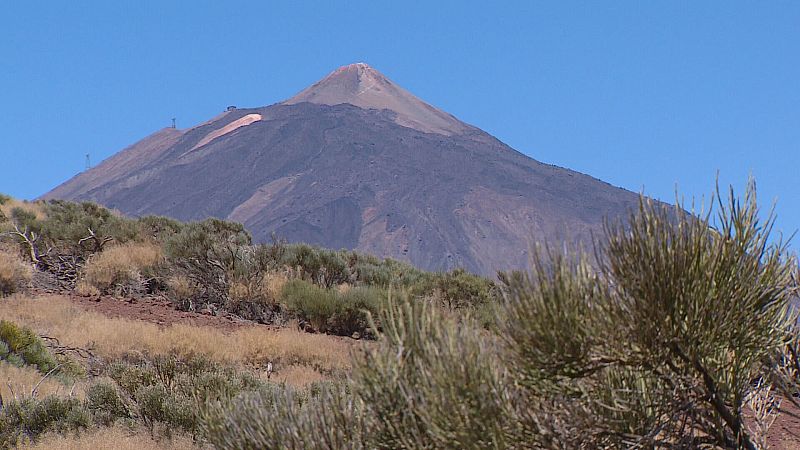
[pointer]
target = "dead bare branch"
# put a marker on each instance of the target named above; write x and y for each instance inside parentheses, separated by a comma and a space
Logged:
(28, 237)
(35, 389)
(99, 242)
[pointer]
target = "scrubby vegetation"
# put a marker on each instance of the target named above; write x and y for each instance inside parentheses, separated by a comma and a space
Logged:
(20, 346)
(213, 267)
(677, 332)
(126, 269)
(167, 394)
(680, 336)
(14, 273)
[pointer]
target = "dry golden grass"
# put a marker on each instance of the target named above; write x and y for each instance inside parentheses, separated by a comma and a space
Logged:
(119, 264)
(344, 288)
(111, 337)
(85, 289)
(14, 272)
(117, 438)
(266, 290)
(239, 291)
(32, 207)
(296, 376)
(20, 382)
(181, 287)
(273, 283)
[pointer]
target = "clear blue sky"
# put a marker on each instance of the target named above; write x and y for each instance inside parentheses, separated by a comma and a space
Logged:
(643, 94)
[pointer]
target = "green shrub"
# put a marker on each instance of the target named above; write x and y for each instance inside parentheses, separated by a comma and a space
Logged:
(131, 376)
(68, 227)
(79, 229)
(27, 419)
(279, 418)
(176, 392)
(207, 253)
(385, 273)
(356, 305)
(429, 383)
(58, 236)
(105, 404)
(432, 383)
(158, 405)
(332, 311)
(664, 342)
(159, 228)
(326, 268)
(310, 303)
(457, 289)
(25, 347)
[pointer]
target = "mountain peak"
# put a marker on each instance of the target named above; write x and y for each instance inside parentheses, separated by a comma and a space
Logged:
(360, 85)
(360, 68)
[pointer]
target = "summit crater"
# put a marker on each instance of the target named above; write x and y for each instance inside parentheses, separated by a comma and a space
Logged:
(360, 85)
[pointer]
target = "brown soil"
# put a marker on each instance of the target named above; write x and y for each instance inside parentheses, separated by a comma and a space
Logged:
(151, 309)
(785, 432)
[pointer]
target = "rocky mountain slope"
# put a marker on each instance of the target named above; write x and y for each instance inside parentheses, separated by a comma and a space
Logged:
(355, 161)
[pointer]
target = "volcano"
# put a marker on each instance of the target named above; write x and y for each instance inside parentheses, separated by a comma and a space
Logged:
(357, 162)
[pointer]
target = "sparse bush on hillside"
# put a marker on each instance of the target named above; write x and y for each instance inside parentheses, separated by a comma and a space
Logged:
(75, 228)
(22, 421)
(14, 273)
(21, 346)
(159, 228)
(207, 253)
(105, 404)
(84, 227)
(457, 289)
(326, 268)
(58, 236)
(122, 269)
(332, 311)
(172, 391)
(432, 383)
(280, 418)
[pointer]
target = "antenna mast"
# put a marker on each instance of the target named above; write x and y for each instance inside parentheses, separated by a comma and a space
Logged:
(173, 123)
(88, 162)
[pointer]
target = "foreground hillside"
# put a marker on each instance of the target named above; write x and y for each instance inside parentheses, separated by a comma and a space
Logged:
(212, 267)
(131, 378)
(115, 326)
(176, 335)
